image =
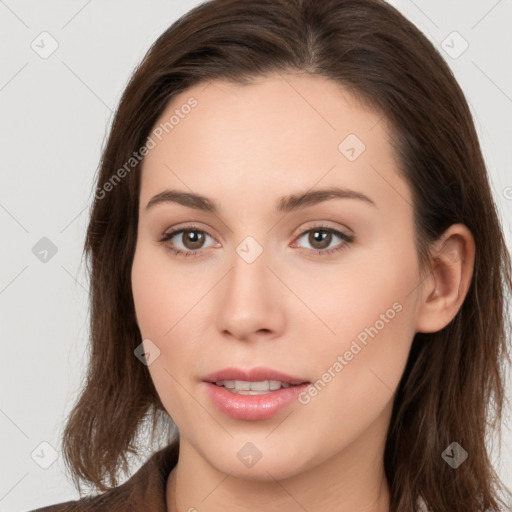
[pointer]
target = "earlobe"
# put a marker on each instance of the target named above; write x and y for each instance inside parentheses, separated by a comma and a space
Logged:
(443, 291)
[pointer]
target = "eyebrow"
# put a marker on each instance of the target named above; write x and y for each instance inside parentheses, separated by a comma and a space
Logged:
(285, 204)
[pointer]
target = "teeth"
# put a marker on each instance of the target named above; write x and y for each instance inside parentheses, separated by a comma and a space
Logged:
(244, 387)
(257, 386)
(274, 384)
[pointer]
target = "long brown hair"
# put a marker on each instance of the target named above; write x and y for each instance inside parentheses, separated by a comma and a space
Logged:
(453, 386)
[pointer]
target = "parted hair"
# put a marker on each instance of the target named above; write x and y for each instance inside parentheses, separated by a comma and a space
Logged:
(453, 386)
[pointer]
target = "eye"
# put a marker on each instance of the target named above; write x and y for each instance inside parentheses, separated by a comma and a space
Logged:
(191, 239)
(320, 237)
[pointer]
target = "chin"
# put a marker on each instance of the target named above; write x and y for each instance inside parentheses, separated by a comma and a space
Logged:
(258, 460)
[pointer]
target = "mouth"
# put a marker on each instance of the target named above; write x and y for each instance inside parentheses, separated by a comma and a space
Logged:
(244, 387)
(256, 380)
(254, 394)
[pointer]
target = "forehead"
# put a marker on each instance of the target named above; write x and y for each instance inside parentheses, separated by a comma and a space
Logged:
(277, 131)
(305, 105)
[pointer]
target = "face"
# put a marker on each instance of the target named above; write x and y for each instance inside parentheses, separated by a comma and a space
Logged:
(273, 275)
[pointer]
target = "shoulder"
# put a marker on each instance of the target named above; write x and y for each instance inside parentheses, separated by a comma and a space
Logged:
(115, 499)
(144, 491)
(91, 504)
(63, 507)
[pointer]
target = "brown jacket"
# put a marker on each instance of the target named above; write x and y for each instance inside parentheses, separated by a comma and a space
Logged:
(144, 491)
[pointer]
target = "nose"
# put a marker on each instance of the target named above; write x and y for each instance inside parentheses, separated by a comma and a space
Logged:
(252, 301)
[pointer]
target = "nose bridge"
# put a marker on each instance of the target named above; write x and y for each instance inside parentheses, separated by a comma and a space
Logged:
(250, 300)
(248, 278)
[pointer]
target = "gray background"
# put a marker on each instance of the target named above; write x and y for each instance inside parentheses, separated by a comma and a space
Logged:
(55, 113)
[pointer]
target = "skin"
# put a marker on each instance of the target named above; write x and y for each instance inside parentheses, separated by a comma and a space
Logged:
(291, 309)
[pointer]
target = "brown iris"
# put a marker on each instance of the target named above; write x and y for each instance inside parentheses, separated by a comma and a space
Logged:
(193, 237)
(324, 236)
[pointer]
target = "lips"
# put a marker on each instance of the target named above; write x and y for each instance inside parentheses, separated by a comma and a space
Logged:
(233, 392)
(257, 374)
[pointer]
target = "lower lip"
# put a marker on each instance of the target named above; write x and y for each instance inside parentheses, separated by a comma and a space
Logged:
(253, 407)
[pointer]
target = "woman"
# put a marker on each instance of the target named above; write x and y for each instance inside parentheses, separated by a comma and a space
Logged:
(297, 262)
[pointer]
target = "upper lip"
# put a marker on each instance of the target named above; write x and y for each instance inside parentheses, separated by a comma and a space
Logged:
(253, 375)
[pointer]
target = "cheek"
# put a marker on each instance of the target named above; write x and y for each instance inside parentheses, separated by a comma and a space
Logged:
(162, 293)
(169, 313)
(369, 305)
(370, 282)
(161, 317)
(358, 370)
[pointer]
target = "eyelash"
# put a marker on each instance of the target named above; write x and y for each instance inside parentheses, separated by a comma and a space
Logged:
(321, 252)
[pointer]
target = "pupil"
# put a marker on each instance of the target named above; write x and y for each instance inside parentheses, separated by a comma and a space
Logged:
(324, 237)
(194, 239)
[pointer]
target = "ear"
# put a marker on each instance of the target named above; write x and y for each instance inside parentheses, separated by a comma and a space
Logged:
(444, 289)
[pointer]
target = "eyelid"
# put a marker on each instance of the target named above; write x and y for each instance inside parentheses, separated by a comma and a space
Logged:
(347, 238)
(309, 226)
(167, 235)
(319, 224)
